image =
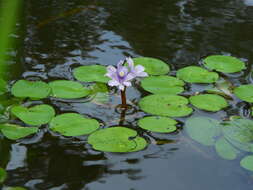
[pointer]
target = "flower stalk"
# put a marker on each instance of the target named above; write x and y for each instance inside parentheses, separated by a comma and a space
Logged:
(123, 98)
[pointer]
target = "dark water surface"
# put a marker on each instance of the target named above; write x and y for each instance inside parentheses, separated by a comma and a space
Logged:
(58, 36)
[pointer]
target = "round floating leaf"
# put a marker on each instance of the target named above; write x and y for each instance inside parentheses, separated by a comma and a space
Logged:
(117, 139)
(158, 124)
(239, 132)
(203, 130)
(73, 124)
(3, 175)
(225, 64)
(68, 89)
(91, 73)
(30, 89)
(162, 85)
(208, 102)
(165, 105)
(152, 66)
(194, 74)
(36, 115)
(225, 149)
(244, 92)
(247, 162)
(15, 132)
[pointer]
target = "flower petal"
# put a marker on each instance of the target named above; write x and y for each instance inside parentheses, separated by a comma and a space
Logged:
(111, 72)
(139, 68)
(120, 64)
(142, 74)
(127, 83)
(129, 77)
(113, 83)
(111, 69)
(130, 63)
(121, 87)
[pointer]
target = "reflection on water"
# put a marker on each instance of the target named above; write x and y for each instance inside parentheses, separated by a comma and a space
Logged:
(59, 36)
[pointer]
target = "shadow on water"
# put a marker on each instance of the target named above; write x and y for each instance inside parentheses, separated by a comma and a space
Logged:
(58, 36)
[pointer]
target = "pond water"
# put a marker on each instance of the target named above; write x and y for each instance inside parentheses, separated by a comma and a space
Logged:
(57, 36)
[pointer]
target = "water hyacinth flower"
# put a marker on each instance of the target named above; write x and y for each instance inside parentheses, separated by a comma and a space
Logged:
(122, 75)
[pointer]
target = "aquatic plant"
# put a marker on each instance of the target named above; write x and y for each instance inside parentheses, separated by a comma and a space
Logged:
(167, 98)
(122, 75)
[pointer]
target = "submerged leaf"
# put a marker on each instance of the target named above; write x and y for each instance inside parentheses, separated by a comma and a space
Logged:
(162, 85)
(152, 66)
(91, 73)
(73, 124)
(225, 64)
(245, 92)
(99, 88)
(15, 132)
(36, 115)
(194, 74)
(3, 175)
(30, 89)
(14, 188)
(3, 86)
(225, 149)
(203, 130)
(158, 124)
(239, 132)
(208, 102)
(247, 162)
(68, 89)
(117, 139)
(165, 105)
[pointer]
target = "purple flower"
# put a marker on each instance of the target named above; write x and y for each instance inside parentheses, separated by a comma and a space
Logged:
(120, 76)
(136, 71)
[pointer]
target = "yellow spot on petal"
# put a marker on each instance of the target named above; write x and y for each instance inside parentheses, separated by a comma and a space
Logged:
(121, 73)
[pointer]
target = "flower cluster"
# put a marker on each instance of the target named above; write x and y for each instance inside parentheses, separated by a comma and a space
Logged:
(123, 74)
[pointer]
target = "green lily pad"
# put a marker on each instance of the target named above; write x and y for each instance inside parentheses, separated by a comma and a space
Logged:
(152, 66)
(30, 89)
(244, 92)
(247, 162)
(36, 115)
(3, 175)
(225, 64)
(15, 132)
(158, 124)
(73, 124)
(208, 102)
(117, 139)
(162, 85)
(194, 74)
(68, 89)
(239, 132)
(225, 149)
(91, 73)
(203, 130)
(165, 105)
